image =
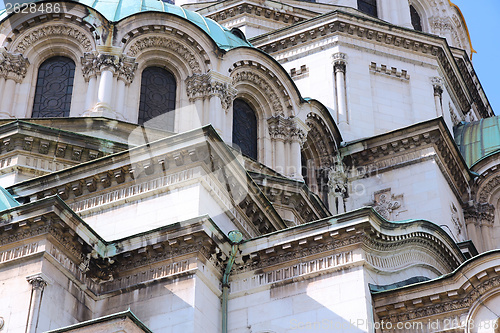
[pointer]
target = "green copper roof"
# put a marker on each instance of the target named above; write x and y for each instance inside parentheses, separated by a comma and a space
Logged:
(6, 200)
(116, 10)
(478, 139)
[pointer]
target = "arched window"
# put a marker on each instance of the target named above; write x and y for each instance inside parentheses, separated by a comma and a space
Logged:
(54, 87)
(245, 128)
(368, 7)
(416, 21)
(157, 98)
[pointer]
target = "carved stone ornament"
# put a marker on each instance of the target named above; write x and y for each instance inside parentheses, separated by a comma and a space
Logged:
(168, 44)
(386, 204)
(41, 33)
(205, 85)
(13, 66)
(455, 219)
(265, 89)
(285, 129)
(37, 282)
(93, 63)
(339, 61)
(337, 179)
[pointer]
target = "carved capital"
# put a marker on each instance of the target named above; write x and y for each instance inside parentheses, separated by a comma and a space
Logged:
(123, 66)
(339, 61)
(211, 84)
(37, 282)
(13, 66)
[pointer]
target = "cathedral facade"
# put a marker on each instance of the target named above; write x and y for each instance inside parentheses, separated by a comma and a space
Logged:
(245, 166)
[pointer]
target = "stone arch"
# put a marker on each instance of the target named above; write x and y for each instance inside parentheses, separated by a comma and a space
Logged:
(41, 41)
(257, 78)
(318, 155)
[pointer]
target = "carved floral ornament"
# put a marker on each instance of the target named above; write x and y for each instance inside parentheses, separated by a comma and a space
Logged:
(168, 44)
(13, 66)
(35, 35)
(123, 66)
(204, 85)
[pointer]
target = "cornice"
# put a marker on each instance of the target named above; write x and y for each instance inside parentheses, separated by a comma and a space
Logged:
(429, 139)
(452, 294)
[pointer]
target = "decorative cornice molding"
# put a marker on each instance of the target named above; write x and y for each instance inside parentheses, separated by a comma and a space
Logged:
(391, 72)
(13, 66)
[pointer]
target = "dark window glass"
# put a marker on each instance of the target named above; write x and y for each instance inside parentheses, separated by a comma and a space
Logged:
(245, 128)
(368, 7)
(54, 87)
(157, 98)
(415, 19)
(169, 1)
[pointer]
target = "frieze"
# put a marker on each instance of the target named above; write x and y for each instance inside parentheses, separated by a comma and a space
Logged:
(154, 273)
(463, 303)
(403, 260)
(19, 252)
(41, 33)
(295, 253)
(241, 9)
(300, 269)
(165, 43)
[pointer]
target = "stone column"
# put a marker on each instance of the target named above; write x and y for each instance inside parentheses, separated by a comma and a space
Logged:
(337, 184)
(298, 133)
(38, 285)
(437, 84)
(278, 132)
(126, 74)
(471, 218)
(339, 67)
(487, 216)
(13, 68)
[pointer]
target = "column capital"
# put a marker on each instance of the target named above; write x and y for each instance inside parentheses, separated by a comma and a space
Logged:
(94, 63)
(339, 61)
(199, 86)
(13, 66)
(37, 282)
(287, 129)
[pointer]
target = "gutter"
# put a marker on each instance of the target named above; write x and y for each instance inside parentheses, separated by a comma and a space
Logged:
(235, 238)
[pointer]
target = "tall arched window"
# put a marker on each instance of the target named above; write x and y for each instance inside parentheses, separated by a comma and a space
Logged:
(416, 21)
(245, 128)
(157, 101)
(54, 87)
(368, 7)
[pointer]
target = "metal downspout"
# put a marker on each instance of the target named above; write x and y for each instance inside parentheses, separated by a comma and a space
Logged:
(235, 237)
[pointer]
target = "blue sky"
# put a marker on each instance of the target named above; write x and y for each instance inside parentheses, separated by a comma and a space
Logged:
(483, 21)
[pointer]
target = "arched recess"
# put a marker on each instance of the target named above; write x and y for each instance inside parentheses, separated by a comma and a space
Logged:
(245, 128)
(170, 53)
(318, 155)
(54, 88)
(42, 41)
(416, 19)
(157, 98)
(423, 11)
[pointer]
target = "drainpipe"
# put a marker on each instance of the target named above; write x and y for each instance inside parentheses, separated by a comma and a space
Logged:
(235, 237)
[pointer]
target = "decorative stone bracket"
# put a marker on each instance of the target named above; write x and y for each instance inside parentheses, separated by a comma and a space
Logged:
(386, 203)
